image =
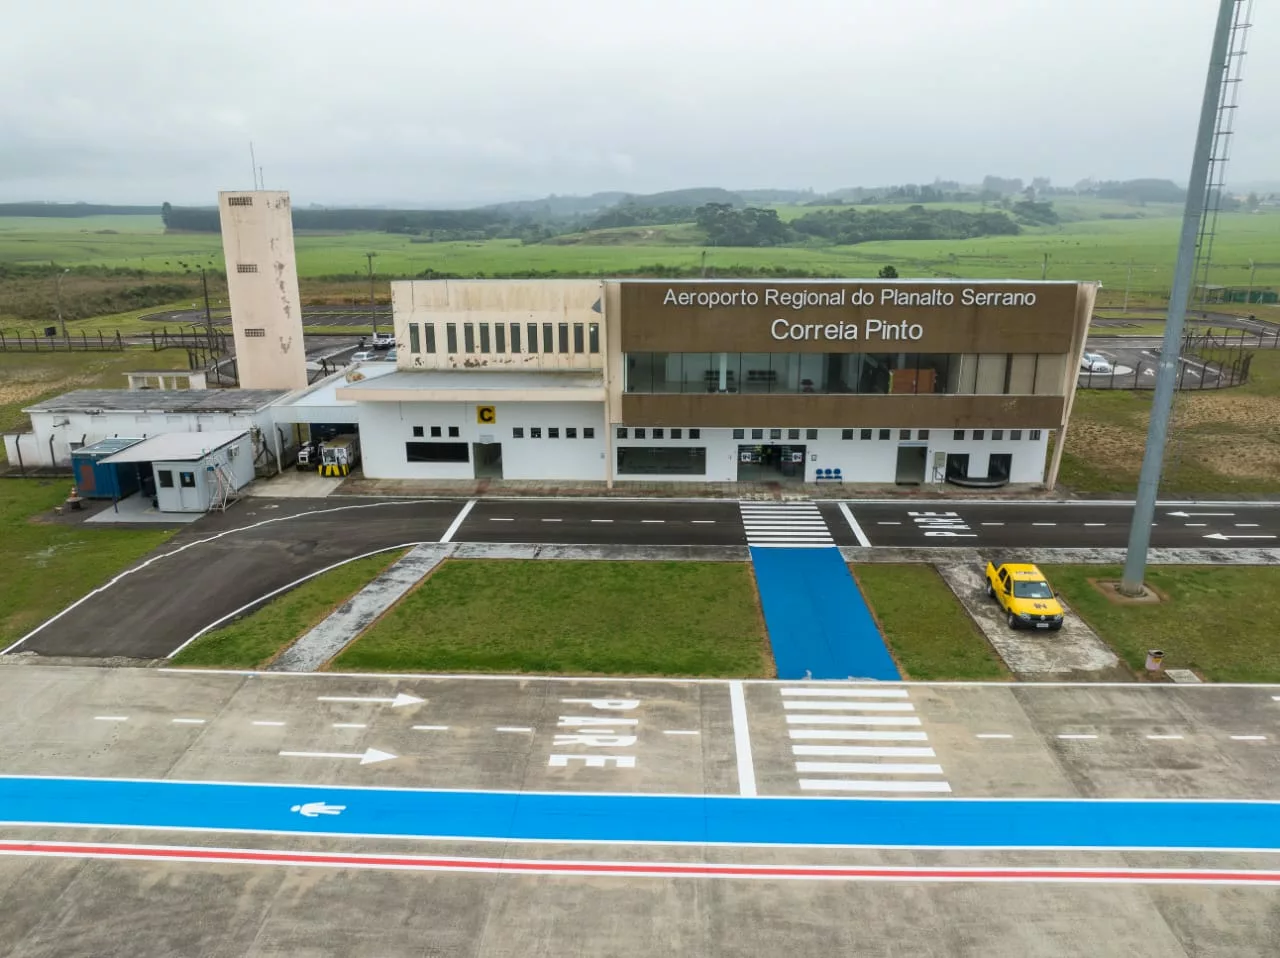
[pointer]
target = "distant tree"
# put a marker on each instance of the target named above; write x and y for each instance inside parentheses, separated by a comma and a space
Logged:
(165, 211)
(1252, 201)
(887, 272)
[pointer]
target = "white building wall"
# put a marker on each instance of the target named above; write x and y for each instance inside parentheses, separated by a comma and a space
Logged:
(386, 427)
(262, 284)
(873, 460)
(236, 460)
(86, 428)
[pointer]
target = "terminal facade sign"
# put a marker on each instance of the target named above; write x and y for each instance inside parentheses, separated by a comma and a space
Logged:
(848, 316)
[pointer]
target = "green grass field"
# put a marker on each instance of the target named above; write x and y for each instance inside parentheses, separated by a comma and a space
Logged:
(574, 618)
(255, 640)
(1218, 621)
(928, 631)
(27, 377)
(1087, 247)
(48, 565)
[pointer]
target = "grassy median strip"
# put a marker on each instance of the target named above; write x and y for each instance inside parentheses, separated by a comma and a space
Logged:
(1218, 620)
(49, 564)
(254, 640)
(602, 618)
(927, 629)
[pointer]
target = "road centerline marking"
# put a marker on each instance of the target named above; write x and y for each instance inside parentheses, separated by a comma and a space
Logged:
(111, 718)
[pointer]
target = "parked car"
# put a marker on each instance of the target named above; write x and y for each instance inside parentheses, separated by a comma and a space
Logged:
(361, 356)
(383, 340)
(389, 356)
(1024, 594)
(1095, 363)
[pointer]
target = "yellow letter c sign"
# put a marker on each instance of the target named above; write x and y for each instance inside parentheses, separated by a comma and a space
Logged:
(486, 415)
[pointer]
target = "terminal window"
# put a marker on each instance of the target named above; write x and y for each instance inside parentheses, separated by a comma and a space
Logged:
(846, 433)
(553, 432)
(436, 452)
(593, 337)
(657, 434)
(884, 433)
(239, 200)
(417, 432)
(866, 434)
(904, 433)
(957, 434)
(415, 342)
(453, 432)
(739, 434)
(579, 338)
(547, 342)
(757, 433)
(451, 337)
(564, 337)
(639, 433)
(997, 433)
(677, 433)
(621, 432)
(1035, 434)
(570, 432)
(166, 478)
(517, 432)
(662, 460)
(430, 330)
(588, 432)
(435, 432)
(515, 337)
(1015, 433)
(535, 432)
(246, 267)
(484, 337)
(922, 434)
(979, 434)
(811, 434)
(793, 433)
(499, 338)
(695, 433)
(469, 337)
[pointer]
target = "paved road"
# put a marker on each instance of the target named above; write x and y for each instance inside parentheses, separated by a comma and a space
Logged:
(1134, 360)
(311, 316)
(101, 833)
(222, 563)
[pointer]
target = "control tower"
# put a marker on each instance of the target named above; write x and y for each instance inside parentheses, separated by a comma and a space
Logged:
(262, 283)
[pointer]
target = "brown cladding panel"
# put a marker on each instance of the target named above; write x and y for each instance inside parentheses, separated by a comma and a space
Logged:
(825, 411)
(653, 321)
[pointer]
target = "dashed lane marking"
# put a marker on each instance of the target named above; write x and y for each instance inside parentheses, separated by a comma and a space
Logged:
(845, 692)
(888, 523)
(512, 728)
(270, 724)
(111, 718)
(856, 735)
(431, 728)
(1094, 525)
(652, 521)
(1248, 738)
(871, 768)
(993, 735)
(1077, 737)
(852, 720)
(993, 523)
(601, 520)
(864, 751)
(851, 705)
(868, 785)
(1044, 523)
(553, 520)
(187, 721)
(503, 519)
(704, 522)
(1165, 738)
(1246, 525)
(680, 731)
(349, 725)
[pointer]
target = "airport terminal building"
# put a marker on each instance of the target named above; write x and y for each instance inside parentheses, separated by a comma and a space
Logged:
(854, 381)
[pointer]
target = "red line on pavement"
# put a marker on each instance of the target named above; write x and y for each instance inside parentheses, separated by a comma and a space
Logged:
(259, 856)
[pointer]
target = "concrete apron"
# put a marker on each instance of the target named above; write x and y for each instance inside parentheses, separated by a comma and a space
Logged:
(1074, 652)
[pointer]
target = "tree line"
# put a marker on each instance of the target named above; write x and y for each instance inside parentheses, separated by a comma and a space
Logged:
(726, 226)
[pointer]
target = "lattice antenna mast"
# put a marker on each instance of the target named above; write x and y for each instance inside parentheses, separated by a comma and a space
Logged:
(1223, 130)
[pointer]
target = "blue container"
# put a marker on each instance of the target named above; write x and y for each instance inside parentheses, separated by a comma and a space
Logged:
(98, 480)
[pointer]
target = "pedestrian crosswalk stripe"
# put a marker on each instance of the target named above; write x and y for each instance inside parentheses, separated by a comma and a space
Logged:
(785, 524)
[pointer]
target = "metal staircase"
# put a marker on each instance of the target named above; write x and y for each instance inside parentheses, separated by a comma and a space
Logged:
(224, 490)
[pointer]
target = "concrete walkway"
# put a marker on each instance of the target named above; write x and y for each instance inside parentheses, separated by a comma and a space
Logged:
(1074, 653)
(351, 618)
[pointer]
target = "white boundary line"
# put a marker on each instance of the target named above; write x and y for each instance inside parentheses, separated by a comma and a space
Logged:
(458, 520)
(852, 688)
(853, 524)
(183, 548)
(742, 740)
(263, 598)
(305, 832)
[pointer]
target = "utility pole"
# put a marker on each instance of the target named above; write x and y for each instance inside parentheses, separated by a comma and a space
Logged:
(1044, 269)
(373, 307)
(1135, 563)
(1128, 280)
(1253, 269)
(57, 295)
(208, 313)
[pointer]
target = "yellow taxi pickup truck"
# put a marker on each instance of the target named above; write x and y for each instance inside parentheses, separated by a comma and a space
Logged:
(1024, 594)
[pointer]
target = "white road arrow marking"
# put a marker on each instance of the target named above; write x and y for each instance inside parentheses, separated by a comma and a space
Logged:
(1221, 537)
(1187, 515)
(312, 809)
(367, 757)
(403, 698)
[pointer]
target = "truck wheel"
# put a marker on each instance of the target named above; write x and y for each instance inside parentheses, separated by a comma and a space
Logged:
(1013, 621)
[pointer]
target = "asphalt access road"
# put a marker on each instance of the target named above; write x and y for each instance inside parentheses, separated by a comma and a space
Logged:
(635, 522)
(1052, 525)
(220, 563)
(1134, 360)
(69, 883)
(311, 316)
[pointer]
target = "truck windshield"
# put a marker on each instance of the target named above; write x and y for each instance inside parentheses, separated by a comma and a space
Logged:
(1032, 590)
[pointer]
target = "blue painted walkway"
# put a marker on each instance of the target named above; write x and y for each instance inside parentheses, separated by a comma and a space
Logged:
(818, 621)
(542, 816)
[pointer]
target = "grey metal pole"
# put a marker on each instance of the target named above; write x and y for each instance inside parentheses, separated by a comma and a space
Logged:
(1135, 563)
(373, 306)
(57, 292)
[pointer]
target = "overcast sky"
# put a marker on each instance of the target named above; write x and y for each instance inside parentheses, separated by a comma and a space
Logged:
(428, 101)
